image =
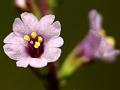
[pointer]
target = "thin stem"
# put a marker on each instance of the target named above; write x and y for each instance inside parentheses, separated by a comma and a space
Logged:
(53, 82)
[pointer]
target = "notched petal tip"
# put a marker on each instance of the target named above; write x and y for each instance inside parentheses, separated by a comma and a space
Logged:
(47, 19)
(25, 14)
(57, 25)
(55, 29)
(50, 16)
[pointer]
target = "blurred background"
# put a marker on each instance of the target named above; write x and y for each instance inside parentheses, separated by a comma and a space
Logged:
(73, 15)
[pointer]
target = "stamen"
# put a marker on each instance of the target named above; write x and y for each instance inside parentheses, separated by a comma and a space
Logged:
(33, 35)
(111, 40)
(37, 44)
(40, 39)
(26, 37)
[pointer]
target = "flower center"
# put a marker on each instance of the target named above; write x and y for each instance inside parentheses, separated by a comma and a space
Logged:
(35, 44)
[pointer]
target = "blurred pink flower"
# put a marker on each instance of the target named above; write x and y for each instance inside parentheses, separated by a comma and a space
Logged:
(97, 44)
(34, 42)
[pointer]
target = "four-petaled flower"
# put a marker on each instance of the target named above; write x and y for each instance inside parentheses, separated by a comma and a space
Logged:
(97, 44)
(34, 42)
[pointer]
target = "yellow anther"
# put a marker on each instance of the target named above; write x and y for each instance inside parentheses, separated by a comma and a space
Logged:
(26, 37)
(31, 42)
(37, 44)
(40, 39)
(111, 40)
(33, 34)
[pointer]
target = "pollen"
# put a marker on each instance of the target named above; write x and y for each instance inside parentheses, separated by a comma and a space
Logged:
(26, 37)
(111, 40)
(102, 32)
(40, 39)
(37, 44)
(33, 35)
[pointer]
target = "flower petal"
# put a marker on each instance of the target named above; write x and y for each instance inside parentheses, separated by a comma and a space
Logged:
(55, 42)
(29, 20)
(37, 63)
(110, 56)
(51, 54)
(19, 28)
(106, 51)
(48, 28)
(46, 20)
(13, 39)
(15, 52)
(22, 63)
(95, 20)
(89, 46)
(53, 30)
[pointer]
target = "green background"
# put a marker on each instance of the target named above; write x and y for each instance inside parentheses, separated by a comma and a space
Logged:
(73, 15)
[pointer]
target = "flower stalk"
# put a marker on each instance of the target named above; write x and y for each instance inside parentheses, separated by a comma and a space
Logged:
(52, 78)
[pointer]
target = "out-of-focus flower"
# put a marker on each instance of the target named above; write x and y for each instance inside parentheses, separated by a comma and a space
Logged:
(22, 4)
(34, 42)
(97, 44)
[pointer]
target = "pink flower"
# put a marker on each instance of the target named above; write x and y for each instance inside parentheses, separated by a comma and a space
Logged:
(34, 42)
(97, 44)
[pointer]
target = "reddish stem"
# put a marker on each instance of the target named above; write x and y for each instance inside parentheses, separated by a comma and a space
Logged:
(44, 7)
(52, 78)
